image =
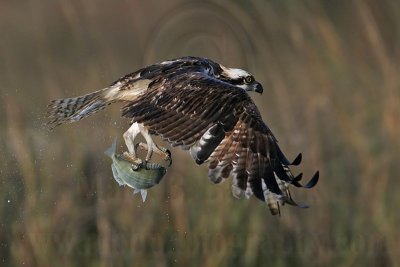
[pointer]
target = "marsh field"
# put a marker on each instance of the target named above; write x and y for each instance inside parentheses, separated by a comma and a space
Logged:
(330, 71)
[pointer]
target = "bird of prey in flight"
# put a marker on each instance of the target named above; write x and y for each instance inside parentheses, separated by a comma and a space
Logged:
(200, 106)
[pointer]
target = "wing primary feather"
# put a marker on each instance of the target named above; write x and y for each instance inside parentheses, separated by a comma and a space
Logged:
(310, 184)
(254, 181)
(270, 180)
(282, 174)
(313, 181)
(207, 143)
(282, 156)
(297, 160)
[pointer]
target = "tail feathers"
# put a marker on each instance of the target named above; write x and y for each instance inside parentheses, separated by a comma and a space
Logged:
(74, 109)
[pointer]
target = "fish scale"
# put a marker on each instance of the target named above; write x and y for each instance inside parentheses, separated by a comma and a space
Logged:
(141, 178)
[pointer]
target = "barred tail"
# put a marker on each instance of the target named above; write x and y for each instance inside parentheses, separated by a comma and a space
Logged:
(74, 109)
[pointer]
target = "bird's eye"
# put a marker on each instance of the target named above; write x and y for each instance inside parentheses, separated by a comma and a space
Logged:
(249, 79)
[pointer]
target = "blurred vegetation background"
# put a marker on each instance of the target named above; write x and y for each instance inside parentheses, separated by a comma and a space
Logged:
(331, 91)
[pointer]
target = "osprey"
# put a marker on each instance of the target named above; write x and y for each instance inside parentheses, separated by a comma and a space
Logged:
(200, 106)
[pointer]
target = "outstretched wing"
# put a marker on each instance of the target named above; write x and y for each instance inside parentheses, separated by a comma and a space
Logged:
(250, 153)
(219, 123)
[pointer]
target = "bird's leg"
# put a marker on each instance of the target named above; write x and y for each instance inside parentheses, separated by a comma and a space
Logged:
(129, 137)
(161, 151)
(152, 146)
(137, 163)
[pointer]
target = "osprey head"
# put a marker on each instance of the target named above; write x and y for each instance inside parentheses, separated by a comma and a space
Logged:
(240, 78)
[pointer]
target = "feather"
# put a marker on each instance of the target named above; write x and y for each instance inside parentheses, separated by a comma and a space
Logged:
(74, 109)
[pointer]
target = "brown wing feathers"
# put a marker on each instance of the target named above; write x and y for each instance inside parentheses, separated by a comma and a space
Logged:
(221, 124)
(253, 154)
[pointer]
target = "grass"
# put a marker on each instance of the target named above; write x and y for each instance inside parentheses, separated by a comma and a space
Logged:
(330, 73)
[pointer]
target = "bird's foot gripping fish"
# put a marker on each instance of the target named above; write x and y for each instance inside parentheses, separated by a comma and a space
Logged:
(133, 172)
(162, 151)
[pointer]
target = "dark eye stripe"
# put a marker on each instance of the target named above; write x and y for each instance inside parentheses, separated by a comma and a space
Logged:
(236, 81)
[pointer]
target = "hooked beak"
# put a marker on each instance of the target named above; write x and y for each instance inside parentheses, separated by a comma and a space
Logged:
(258, 88)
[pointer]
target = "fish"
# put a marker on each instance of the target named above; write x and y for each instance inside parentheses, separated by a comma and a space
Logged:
(139, 176)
